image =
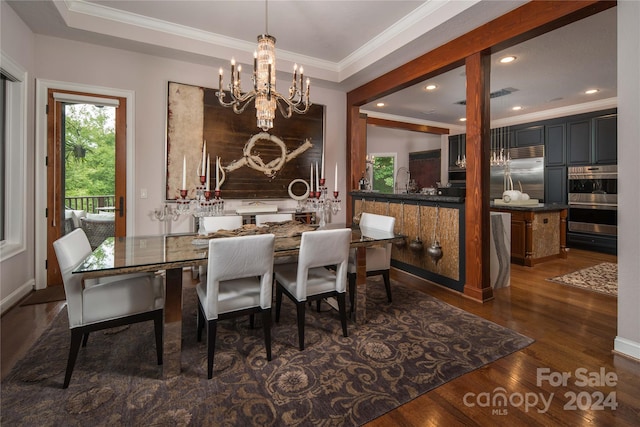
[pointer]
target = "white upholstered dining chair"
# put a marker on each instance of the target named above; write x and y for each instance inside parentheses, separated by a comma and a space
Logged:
(239, 282)
(212, 224)
(309, 279)
(96, 304)
(378, 257)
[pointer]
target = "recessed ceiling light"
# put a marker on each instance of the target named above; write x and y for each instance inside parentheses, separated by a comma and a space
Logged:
(380, 104)
(430, 86)
(516, 108)
(507, 59)
(463, 119)
(591, 91)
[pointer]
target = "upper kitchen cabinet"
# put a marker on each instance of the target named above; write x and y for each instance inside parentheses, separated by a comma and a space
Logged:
(555, 144)
(529, 136)
(579, 142)
(593, 140)
(605, 130)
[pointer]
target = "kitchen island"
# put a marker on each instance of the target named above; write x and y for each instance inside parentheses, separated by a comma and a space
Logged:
(538, 232)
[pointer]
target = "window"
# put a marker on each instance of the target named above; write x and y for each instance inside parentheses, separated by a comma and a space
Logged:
(381, 169)
(13, 168)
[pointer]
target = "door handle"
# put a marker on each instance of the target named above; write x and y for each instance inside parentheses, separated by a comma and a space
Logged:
(121, 208)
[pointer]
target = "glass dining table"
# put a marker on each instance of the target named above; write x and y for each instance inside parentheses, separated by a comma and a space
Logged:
(171, 253)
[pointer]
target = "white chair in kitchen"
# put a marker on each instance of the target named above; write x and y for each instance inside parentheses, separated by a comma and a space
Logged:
(239, 281)
(309, 280)
(212, 224)
(378, 257)
(115, 301)
(262, 219)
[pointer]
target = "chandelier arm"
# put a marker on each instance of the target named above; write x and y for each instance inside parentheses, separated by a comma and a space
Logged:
(285, 111)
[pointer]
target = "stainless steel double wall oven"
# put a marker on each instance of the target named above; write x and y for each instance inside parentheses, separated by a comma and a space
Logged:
(593, 203)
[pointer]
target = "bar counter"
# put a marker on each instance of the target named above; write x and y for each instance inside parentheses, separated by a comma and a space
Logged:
(422, 219)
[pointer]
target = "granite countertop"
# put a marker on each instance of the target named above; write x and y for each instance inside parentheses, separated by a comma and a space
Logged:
(540, 207)
(407, 196)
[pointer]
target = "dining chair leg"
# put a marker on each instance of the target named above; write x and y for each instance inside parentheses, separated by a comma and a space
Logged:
(352, 291)
(211, 346)
(300, 310)
(343, 312)
(387, 284)
(85, 338)
(201, 322)
(266, 324)
(278, 302)
(159, 329)
(74, 348)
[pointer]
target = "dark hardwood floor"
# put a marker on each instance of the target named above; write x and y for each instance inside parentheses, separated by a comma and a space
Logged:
(574, 331)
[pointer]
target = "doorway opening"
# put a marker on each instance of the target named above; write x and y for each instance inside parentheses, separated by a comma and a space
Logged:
(86, 169)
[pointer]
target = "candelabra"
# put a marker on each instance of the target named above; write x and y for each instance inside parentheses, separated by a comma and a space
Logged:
(320, 203)
(205, 203)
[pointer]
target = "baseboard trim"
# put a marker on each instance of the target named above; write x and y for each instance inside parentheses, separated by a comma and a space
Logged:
(14, 297)
(628, 348)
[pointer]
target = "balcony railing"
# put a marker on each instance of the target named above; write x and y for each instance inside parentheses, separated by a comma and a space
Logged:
(90, 204)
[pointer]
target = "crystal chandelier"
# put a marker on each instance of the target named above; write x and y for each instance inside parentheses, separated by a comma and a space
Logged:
(264, 85)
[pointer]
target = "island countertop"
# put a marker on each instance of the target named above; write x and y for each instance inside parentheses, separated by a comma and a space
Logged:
(540, 207)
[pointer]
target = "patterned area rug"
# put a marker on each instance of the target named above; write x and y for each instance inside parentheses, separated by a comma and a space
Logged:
(406, 349)
(602, 278)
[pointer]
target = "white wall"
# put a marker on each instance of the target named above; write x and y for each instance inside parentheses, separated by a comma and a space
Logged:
(17, 276)
(147, 76)
(628, 339)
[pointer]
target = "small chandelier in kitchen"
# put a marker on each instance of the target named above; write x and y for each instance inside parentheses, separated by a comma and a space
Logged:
(264, 85)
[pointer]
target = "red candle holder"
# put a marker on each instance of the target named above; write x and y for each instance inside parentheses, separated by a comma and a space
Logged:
(335, 194)
(207, 194)
(217, 193)
(183, 193)
(322, 181)
(203, 179)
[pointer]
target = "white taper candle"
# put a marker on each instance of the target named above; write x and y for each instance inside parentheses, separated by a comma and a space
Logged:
(184, 173)
(208, 171)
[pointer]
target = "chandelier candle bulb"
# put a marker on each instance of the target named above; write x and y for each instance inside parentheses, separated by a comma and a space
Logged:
(335, 180)
(317, 179)
(311, 179)
(184, 172)
(233, 69)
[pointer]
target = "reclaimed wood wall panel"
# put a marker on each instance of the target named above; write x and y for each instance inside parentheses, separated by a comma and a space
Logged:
(194, 116)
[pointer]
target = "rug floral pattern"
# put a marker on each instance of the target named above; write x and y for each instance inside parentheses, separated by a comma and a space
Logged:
(602, 278)
(407, 348)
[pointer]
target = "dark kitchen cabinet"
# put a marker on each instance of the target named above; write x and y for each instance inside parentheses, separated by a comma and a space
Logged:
(555, 145)
(605, 131)
(529, 136)
(593, 141)
(555, 184)
(579, 142)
